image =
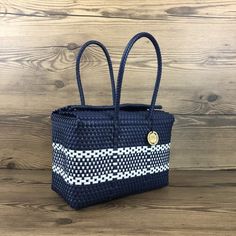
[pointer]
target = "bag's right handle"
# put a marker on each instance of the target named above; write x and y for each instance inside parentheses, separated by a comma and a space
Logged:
(120, 79)
(80, 87)
(122, 68)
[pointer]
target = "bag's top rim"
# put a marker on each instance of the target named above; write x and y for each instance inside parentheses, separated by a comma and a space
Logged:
(127, 111)
(123, 107)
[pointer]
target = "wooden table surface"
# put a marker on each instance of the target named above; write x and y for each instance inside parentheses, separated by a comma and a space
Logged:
(195, 203)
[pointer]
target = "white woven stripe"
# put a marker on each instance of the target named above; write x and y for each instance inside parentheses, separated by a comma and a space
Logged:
(104, 178)
(109, 151)
(96, 166)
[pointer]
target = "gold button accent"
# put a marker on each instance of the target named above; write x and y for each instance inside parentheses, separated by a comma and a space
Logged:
(153, 138)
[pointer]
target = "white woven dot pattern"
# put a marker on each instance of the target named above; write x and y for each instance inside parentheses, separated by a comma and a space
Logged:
(96, 166)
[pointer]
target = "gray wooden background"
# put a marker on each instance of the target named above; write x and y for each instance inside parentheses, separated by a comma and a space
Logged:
(38, 45)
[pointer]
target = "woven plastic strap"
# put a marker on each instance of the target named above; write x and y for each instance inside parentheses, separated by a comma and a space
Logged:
(121, 73)
(78, 77)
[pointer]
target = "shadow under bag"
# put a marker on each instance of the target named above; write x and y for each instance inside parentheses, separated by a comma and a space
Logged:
(105, 152)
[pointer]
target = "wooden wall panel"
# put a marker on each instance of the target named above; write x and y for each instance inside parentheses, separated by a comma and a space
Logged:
(38, 46)
(52, 74)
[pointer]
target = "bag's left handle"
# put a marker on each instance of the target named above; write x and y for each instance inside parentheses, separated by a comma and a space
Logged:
(78, 77)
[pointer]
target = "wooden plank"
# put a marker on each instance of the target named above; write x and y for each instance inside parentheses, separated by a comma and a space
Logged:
(197, 142)
(204, 142)
(39, 43)
(69, 31)
(119, 9)
(38, 80)
(26, 142)
(195, 203)
(173, 38)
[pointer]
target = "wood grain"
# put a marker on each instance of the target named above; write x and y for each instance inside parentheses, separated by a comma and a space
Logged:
(40, 40)
(197, 142)
(195, 203)
(48, 80)
(194, 65)
(118, 9)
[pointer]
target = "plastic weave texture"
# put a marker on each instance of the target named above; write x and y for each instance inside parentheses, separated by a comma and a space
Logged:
(101, 152)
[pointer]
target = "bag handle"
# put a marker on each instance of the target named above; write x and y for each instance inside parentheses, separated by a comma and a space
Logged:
(121, 73)
(78, 77)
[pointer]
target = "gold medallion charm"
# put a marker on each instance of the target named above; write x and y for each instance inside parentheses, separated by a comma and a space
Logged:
(153, 138)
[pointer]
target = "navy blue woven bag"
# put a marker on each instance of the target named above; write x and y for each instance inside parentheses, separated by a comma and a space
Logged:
(105, 152)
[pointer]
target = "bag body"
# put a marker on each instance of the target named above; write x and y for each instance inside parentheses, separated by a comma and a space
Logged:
(105, 152)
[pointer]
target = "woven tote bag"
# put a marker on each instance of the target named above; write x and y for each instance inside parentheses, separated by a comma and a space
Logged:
(105, 152)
